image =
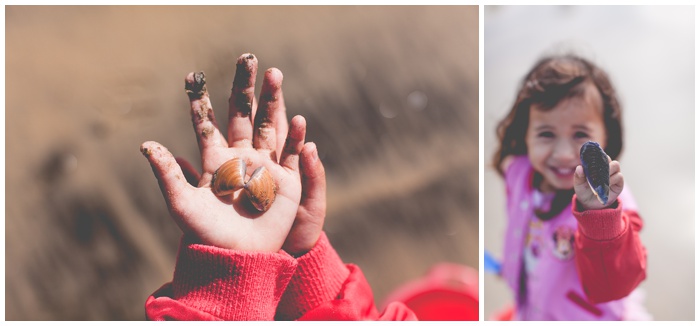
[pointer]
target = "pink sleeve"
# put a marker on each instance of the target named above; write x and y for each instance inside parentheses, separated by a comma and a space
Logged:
(517, 174)
(610, 258)
(211, 283)
(324, 288)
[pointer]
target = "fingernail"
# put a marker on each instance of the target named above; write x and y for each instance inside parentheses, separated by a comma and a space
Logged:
(315, 154)
(146, 151)
(246, 68)
(275, 76)
(245, 57)
(195, 85)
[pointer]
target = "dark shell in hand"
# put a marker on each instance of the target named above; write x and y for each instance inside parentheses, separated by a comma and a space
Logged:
(597, 169)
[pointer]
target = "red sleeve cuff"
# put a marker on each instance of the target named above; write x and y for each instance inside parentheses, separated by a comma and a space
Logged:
(220, 282)
(600, 224)
(319, 277)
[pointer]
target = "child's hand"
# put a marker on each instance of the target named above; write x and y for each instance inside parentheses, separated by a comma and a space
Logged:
(584, 193)
(311, 214)
(312, 210)
(230, 221)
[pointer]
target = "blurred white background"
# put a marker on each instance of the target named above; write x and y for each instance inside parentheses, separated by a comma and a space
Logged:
(648, 51)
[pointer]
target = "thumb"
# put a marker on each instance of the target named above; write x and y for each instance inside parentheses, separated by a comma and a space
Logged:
(313, 197)
(579, 176)
(580, 182)
(170, 177)
(308, 224)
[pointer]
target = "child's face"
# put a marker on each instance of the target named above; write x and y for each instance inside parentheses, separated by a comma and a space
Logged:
(554, 138)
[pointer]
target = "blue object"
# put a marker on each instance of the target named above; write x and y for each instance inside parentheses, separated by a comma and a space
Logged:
(597, 170)
(491, 265)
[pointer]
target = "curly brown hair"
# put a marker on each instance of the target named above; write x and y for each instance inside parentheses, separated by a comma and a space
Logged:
(550, 81)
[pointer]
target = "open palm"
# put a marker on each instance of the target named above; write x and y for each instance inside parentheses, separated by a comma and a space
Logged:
(256, 135)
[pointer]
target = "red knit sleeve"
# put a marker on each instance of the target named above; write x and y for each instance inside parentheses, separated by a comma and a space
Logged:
(211, 283)
(610, 258)
(324, 288)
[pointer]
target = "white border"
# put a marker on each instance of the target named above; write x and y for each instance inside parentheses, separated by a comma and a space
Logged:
(2, 164)
(697, 197)
(481, 164)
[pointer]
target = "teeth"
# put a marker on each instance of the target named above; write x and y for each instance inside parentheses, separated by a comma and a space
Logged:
(565, 171)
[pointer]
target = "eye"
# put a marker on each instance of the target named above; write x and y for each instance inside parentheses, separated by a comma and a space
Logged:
(581, 134)
(546, 134)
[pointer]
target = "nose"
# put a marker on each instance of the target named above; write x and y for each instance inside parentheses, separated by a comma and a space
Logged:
(565, 152)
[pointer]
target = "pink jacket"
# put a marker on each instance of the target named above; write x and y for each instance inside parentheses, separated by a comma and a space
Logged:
(588, 265)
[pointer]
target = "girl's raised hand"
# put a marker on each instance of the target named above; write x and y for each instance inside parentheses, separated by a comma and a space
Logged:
(255, 135)
(584, 193)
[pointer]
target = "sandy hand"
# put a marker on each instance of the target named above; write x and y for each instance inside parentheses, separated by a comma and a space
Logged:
(231, 221)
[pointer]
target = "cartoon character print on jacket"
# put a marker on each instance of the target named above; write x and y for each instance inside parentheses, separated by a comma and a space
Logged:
(534, 244)
(563, 238)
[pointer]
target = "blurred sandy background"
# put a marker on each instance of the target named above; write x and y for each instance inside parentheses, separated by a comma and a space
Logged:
(649, 53)
(390, 95)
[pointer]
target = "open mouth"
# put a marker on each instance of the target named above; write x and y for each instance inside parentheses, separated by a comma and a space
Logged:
(563, 172)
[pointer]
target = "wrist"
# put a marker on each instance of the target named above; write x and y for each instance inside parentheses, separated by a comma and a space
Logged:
(298, 247)
(581, 207)
(600, 224)
(267, 246)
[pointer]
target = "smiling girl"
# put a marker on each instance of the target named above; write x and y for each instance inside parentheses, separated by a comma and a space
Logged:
(567, 256)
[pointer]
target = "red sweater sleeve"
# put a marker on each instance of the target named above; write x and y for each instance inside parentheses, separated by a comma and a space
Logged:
(211, 283)
(324, 288)
(610, 258)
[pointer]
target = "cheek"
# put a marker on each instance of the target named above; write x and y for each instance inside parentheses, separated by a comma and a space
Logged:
(531, 145)
(538, 158)
(537, 152)
(599, 134)
(603, 139)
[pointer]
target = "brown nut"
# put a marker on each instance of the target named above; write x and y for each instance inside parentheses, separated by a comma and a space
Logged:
(261, 189)
(229, 177)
